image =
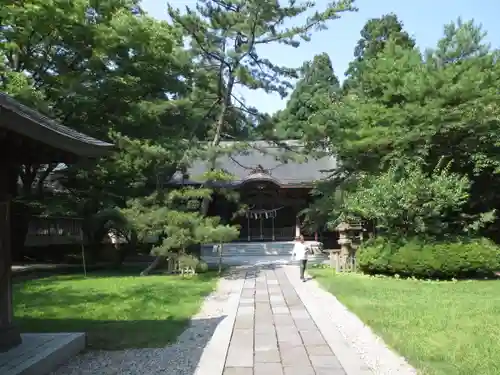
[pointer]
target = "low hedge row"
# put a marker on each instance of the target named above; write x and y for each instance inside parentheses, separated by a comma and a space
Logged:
(458, 259)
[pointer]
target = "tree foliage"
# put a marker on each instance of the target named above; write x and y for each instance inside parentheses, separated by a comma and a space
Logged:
(406, 108)
(375, 35)
(406, 201)
(224, 38)
(318, 85)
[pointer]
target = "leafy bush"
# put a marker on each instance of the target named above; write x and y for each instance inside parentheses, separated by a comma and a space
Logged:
(188, 261)
(458, 259)
(406, 201)
(202, 267)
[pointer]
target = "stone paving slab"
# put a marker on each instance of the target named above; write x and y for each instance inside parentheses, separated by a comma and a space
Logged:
(345, 359)
(274, 326)
(274, 334)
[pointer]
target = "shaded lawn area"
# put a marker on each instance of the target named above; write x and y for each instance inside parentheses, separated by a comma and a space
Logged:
(116, 310)
(442, 328)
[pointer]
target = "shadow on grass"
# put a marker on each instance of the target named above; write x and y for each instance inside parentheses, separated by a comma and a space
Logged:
(40, 271)
(116, 313)
(94, 272)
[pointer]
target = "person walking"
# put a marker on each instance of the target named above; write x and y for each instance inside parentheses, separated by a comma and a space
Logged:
(300, 251)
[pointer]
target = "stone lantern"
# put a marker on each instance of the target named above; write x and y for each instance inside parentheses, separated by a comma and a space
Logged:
(348, 243)
(345, 240)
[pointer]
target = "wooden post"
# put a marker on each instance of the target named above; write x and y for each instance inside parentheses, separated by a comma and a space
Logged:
(335, 260)
(9, 334)
(261, 229)
(272, 223)
(248, 227)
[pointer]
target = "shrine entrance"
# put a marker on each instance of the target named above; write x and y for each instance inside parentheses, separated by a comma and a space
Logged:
(261, 223)
(271, 215)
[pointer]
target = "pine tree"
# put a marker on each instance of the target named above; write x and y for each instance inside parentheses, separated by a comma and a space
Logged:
(171, 214)
(225, 37)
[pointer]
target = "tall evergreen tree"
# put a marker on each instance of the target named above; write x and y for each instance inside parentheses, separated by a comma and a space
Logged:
(425, 109)
(374, 37)
(318, 83)
(99, 67)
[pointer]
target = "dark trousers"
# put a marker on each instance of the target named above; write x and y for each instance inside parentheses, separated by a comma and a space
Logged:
(303, 264)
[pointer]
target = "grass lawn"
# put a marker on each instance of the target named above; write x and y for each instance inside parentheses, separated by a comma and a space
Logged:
(442, 328)
(117, 311)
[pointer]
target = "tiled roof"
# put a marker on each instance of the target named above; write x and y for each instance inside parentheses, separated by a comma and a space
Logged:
(48, 131)
(242, 165)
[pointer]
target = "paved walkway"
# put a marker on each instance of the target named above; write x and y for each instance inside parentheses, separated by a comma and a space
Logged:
(261, 322)
(274, 333)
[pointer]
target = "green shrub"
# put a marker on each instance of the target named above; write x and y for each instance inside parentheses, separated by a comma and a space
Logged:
(202, 267)
(188, 261)
(458, 259)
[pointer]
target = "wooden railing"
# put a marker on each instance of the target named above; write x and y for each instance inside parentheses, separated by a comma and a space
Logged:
(50, 226)
(44, 231)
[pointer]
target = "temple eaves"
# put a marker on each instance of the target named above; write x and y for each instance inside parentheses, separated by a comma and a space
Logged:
(32, 124)
(265, 161)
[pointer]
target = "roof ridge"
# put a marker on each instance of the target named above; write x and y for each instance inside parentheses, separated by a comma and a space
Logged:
(33, 115)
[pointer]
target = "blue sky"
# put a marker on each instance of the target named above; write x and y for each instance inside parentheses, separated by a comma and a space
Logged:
(423, 19)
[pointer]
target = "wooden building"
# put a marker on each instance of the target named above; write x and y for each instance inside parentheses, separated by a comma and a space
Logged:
(27, 137)
(275, 182)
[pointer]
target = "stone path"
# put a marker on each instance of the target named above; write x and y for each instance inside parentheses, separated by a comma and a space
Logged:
(259, 321)
(273, 332)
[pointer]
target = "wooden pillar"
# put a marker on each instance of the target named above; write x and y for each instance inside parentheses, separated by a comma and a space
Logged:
(9, 334)
(272, 223)
(273, 214)
(261, 228)
(297, 227)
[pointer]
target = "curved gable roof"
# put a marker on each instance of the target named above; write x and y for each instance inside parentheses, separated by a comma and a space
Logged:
(47, 131)
(271, 157)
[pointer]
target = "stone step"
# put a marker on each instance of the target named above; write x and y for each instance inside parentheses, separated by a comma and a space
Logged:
(280, 250)
(240, 260)
(248, 249)
(41, 353)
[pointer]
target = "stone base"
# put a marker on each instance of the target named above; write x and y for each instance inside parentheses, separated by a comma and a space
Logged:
(10, 337)
(41, 353)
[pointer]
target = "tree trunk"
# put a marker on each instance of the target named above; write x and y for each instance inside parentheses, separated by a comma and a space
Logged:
(21, 212)
(217, 136)
(220, 258)
(125, 250)
(152, 266)
(42, 176)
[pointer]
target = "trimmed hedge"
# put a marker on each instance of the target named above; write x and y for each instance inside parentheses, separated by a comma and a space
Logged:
(459, 259)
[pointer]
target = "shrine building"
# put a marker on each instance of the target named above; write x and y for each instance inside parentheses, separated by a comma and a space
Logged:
(275, 188)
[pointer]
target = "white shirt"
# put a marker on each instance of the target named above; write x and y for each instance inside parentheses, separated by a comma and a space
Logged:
(299, 251)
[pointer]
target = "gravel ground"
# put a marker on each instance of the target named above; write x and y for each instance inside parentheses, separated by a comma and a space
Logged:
(180, 358)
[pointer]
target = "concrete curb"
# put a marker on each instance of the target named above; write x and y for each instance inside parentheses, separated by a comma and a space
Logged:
(358, 348)
(214, 355)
